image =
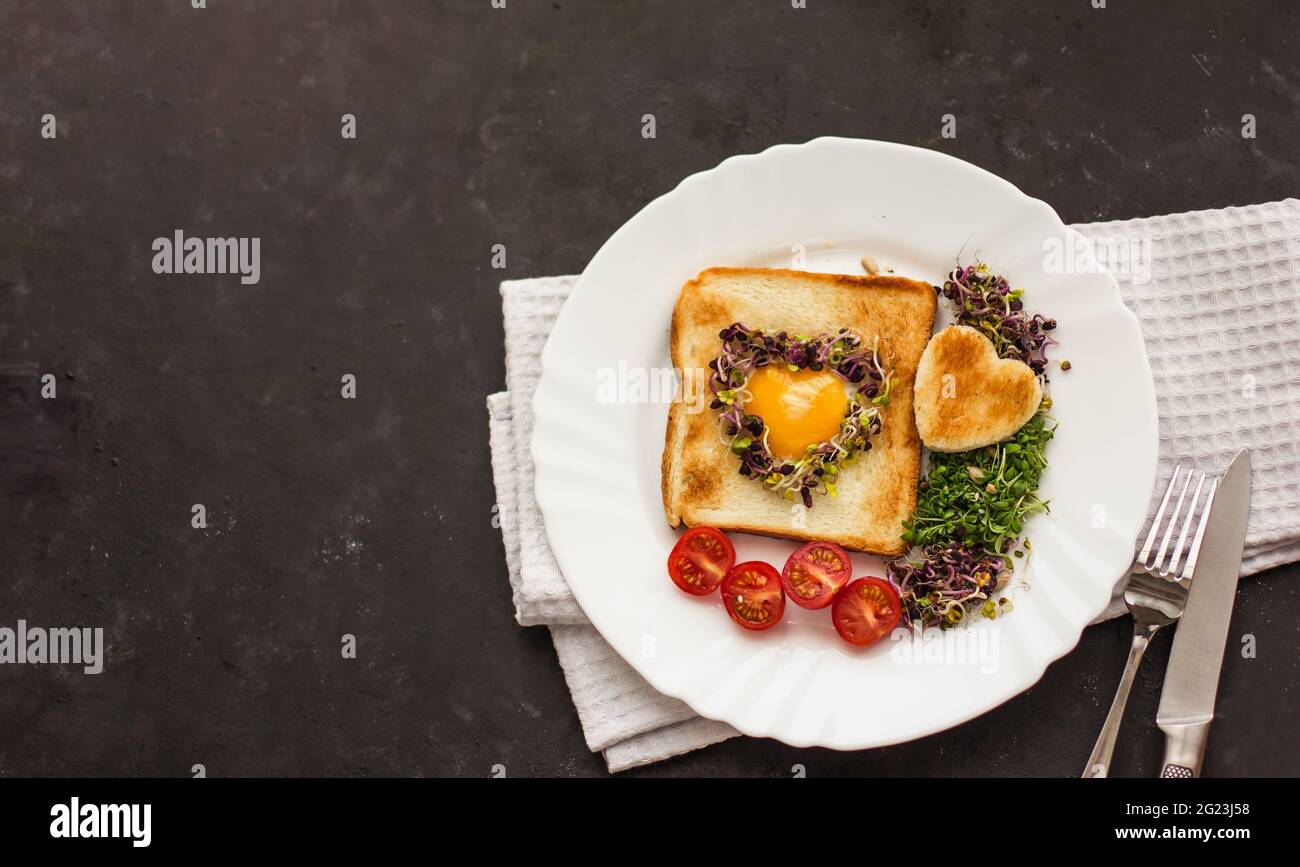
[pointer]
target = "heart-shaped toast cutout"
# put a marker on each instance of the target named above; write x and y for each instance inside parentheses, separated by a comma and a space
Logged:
(966, 397)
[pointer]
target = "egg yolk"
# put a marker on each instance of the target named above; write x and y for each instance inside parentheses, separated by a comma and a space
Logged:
(799, 407)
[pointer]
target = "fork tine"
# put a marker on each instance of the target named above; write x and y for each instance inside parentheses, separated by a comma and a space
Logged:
(1190, 565)
(1155, 522)
(1180, 547)
(1173, 523)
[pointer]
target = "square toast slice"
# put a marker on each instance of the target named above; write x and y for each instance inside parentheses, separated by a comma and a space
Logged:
(700, 479)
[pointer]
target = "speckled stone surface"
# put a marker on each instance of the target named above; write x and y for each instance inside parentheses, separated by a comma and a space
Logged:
(374, 516)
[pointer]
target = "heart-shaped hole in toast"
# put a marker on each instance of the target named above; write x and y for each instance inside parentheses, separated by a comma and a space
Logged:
(797, 409)
(966, 397)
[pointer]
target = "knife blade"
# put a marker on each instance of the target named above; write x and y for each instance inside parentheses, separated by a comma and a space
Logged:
(1192, 678)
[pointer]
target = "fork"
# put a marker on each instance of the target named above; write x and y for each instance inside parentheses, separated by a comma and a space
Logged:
(1156, 591)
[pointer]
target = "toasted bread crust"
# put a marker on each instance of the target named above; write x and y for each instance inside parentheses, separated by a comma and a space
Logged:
(699, 480)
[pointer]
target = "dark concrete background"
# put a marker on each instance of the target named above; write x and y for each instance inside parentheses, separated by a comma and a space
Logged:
(373, 517)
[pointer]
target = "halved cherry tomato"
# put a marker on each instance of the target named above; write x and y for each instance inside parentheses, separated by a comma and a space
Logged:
(815, 573)
(753, 595)
(700, 560)
(865, 611)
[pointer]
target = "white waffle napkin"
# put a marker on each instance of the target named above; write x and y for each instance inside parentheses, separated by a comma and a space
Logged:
(1219, 304)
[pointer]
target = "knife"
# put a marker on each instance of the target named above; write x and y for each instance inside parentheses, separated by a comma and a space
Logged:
(1192, 679)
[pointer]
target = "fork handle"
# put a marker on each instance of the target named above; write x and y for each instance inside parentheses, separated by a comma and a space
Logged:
(1099, 762)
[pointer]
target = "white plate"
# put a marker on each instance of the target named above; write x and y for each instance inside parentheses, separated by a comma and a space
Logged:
(597, 462)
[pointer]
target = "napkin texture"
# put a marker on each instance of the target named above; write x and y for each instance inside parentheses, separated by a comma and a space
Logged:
(1220, 313)
(1217, 294)
(530, 308)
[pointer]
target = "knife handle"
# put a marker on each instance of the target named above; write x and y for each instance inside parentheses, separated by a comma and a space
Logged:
(1184, 749)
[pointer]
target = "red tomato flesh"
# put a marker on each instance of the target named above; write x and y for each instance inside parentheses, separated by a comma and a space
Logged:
(815, 573)
(866, 611)
(753, 595)
(700, 560)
